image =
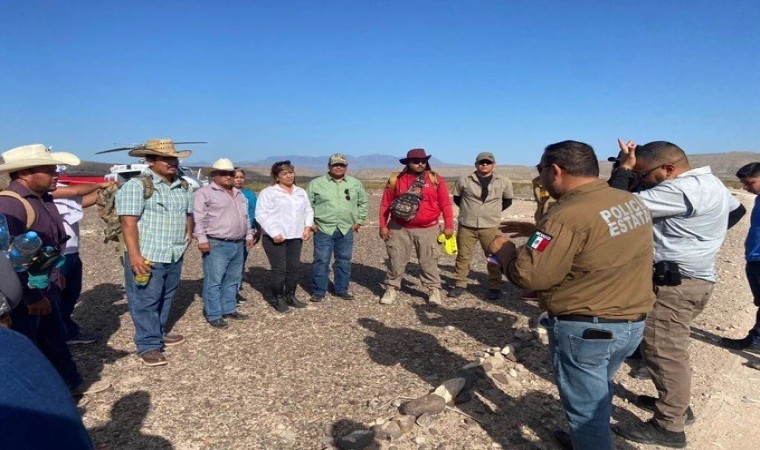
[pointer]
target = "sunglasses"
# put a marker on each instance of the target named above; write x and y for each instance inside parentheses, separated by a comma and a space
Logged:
(223, 173)
(417, 161)
(348, 194)
(338, 165)
(282, 163)
(484, 162)
(541, 167)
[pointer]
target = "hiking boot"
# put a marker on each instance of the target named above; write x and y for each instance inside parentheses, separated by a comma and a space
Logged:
(650, 433)
(235, 316)
(647, 402)
(494, 294)
(294, 302)
(240, 299)
(316, 298)
(434, 297)
(530, 295)
(736, 344)
(82, 339)
(346, 296)
(153, 358)
(389, 296)
(639, 371)
(219, 324)
(173, 339)
(280, 305)
(564, 439)
(456, 292)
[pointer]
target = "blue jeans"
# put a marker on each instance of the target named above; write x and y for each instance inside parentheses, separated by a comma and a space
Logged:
(584, 370)
(49, 334)
(149, 305)
(72, 272)
(36, 409)
(342, 245)
(222, 272)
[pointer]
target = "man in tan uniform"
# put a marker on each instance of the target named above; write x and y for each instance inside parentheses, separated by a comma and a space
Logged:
(589, 257)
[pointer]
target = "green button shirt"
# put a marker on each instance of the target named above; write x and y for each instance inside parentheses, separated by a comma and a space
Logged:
(337, 205)
(162, 223)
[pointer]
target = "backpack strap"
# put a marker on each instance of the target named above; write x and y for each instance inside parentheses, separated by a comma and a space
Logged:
(31, 216)
(394, 179)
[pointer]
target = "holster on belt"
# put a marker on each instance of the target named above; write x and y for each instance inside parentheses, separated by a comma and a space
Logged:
(666, 273)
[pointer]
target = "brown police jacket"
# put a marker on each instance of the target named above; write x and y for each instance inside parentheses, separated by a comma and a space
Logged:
(592, 255)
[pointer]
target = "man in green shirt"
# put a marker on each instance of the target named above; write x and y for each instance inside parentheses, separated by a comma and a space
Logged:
(340, 206)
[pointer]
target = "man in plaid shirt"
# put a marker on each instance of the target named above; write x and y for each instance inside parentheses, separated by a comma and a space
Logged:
(157, 231)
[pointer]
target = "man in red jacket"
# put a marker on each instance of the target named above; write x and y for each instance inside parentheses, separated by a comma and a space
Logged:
(412, 202)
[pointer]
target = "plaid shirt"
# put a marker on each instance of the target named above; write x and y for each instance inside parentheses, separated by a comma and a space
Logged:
(162, 226)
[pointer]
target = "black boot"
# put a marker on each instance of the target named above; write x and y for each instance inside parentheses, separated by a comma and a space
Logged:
(279, 301)
(290, 298)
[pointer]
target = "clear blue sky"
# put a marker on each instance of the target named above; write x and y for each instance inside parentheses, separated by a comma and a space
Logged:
(257, 79)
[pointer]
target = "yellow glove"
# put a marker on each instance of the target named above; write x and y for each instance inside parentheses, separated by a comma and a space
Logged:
(449, 245)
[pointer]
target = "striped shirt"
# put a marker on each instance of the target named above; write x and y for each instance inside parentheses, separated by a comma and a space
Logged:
(162, 223)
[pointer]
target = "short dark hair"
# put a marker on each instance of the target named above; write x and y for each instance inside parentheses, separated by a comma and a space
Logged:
(576, 158)
(660, 152)
(281, 166)
(238, 169)
(751, 170)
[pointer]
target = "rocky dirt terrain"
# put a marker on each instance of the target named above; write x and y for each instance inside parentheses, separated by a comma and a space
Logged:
(305, 379)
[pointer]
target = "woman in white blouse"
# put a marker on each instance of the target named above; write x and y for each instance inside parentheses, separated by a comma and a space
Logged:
(284, 214)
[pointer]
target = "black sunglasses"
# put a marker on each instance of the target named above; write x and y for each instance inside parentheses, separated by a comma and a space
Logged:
(338, 165)
(348, 194)
(484, 162)
(418, 161)
(282, 163)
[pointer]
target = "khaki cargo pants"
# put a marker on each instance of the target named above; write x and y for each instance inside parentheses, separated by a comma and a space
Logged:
(423, 241)
(467, 238)
(666, 347)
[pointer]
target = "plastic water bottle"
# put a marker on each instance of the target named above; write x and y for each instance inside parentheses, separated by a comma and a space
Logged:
(5, 235)
(23, 249)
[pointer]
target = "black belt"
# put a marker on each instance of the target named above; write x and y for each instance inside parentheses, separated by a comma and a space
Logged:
(225, 239)
(581, 318)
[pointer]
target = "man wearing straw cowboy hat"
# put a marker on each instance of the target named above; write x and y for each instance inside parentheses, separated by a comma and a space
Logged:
(222, 228)
(28, 205)
(157, 231)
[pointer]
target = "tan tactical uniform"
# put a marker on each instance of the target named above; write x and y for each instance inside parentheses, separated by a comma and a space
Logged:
(592, 255)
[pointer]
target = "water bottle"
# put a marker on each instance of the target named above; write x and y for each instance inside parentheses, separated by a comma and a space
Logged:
(5, 235)
(23, 249)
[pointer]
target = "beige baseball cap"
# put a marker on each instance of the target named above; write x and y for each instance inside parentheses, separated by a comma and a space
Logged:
(488, 156)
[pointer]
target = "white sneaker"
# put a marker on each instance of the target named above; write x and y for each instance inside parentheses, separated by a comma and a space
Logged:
(434, 297)
(389, 296)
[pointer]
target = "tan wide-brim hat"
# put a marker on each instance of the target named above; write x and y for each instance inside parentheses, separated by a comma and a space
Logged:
(159, 147)
(222, 165)
(35, 155)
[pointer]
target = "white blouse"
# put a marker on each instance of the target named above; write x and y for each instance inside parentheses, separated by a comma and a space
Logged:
(281, 213)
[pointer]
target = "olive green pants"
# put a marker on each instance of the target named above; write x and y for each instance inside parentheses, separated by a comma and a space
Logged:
(404, 241)
(467, 239)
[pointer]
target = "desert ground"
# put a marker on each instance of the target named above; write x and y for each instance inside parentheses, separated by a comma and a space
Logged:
(303, 380)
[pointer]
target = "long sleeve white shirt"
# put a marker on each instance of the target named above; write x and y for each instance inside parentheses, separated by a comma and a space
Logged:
(281, 213)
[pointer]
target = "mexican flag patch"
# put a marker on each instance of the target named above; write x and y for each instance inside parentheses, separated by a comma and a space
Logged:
(539, 241)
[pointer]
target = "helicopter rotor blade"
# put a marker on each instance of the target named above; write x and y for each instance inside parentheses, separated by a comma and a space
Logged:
(120, 149)
(191, 142)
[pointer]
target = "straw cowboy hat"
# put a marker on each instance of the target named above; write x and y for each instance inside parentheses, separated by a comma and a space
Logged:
(35, 155)
(222, 165)
(159, 147)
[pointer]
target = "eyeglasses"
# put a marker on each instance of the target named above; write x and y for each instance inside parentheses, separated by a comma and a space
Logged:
(541, 167)
(417, 161)
(348, 194)
(338, 165)
(484, 162)
(649, 172)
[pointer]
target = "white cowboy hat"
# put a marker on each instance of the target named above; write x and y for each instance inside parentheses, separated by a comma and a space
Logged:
(159, 147)
(223, 164)
(35, 155)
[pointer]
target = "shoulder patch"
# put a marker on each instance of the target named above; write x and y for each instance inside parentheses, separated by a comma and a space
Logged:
(539, 241)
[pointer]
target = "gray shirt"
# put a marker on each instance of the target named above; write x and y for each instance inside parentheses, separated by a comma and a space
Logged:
(690, 218)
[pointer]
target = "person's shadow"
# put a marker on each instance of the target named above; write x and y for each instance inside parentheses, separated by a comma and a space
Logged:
(500, 415)
(99, 310)
(705, 336)
(123, 431)
(185, 296)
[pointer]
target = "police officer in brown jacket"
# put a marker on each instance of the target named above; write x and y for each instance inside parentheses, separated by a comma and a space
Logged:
(590, 257)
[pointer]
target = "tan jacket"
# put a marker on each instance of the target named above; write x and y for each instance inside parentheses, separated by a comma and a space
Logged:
(592, 255)
(475, 213)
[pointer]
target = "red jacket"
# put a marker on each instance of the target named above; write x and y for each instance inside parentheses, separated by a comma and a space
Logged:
(434, 202)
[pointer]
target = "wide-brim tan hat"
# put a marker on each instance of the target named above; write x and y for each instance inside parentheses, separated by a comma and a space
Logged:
(223, 165)
(35, 155)
(159, 147)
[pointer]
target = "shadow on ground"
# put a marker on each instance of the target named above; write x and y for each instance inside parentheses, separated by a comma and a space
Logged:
(123, 431)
